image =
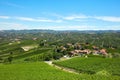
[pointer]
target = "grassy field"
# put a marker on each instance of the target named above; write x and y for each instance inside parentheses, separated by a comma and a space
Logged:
(93, 65)
(42, 71)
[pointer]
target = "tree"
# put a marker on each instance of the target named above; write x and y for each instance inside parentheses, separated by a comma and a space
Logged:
(10, 58)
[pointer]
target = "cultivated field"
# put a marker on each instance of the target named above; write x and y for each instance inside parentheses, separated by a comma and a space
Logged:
(93, 65)
(42, 71)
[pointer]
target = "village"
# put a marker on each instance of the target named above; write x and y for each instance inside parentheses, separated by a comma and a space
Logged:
(83, 49)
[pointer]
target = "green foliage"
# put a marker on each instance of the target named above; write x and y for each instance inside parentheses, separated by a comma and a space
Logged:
(57, 56)
(10, 58)
(116, 55)
(93, 65)
(45, 56)
(103, 72)
(31, 53)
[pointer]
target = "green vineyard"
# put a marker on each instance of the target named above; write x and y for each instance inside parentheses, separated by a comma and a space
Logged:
(42, 71)
(93, 65)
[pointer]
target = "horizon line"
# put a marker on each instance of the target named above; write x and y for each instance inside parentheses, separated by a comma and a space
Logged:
(62, 30)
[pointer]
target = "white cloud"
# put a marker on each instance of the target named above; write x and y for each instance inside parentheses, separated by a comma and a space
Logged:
(75, 17)
(37, 19)
(4, 17)
(81, 27)
(60, 18)
(108, 18)
(18, 26)
(13, 5)
(68, 22)
(54, 15)
(78, 17)
(69, 17)
(68, 27)
(25, 18)
(112, 27)
(8, 25)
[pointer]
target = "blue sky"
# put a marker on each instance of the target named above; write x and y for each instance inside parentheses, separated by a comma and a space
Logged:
(60, 14)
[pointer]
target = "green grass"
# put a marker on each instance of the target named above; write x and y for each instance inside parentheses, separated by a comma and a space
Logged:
(42, 71)
(93, 65)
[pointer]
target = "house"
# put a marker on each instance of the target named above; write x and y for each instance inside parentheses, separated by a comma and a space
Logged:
(80, 52)
(95, 48)
(34, 39)
(62, 48)
(98, 52)
(72, 53)
(103, 52)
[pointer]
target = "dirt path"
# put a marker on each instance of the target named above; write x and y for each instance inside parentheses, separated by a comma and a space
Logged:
(62, 68)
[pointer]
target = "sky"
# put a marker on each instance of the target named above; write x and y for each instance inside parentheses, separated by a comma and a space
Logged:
(60, 14)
